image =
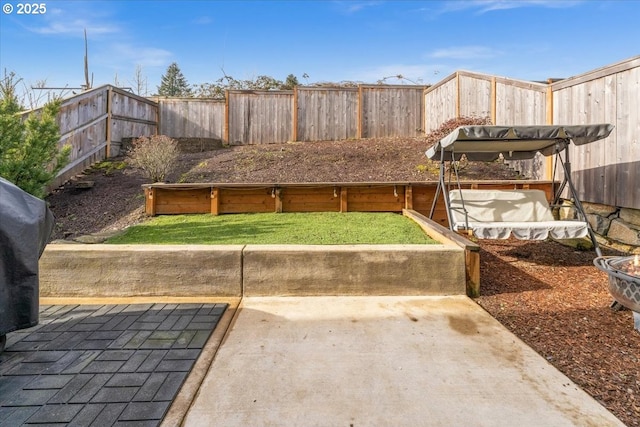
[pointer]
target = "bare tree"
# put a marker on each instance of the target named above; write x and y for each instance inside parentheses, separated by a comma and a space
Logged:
(139, 82)
(87, 84)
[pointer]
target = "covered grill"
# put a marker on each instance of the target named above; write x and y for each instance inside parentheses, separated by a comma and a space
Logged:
(25, 227)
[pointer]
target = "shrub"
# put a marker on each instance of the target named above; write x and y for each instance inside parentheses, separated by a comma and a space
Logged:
(29, 152)
(156, 156)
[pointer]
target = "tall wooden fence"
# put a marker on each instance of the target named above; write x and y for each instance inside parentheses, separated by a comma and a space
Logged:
(304, 114)
(605, 172)
(92, 121)
(326, 114)
(191, 117)
(259, 117)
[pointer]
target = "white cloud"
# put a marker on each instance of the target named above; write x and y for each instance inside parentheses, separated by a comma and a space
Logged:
(465, 52)
(349, 7)
(490, 5)
(75, 27)
(144, 56)
(203, 20)
(74, 20)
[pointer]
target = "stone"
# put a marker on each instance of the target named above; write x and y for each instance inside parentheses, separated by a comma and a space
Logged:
(598, 209)
(630, 216)
(599, 224)
(624, 232)
(567, 211)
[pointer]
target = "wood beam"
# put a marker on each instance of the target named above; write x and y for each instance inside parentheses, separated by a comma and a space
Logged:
(215, 201)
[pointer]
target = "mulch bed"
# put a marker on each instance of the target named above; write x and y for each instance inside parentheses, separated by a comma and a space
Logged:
(554, 299)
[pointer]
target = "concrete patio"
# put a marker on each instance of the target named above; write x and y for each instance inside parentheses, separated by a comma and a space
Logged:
(354, 361)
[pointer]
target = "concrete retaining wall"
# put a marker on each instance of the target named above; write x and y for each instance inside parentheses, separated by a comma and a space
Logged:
(353, 270)
(76, 270)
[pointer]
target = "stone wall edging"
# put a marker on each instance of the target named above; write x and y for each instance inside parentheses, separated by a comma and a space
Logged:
(619, 227)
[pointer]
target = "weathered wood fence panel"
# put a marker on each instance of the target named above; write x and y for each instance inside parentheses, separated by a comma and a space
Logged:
(131, 116)
(325, 114)
(520, 103)
(504, 101)
(94, 120)
(474, 95)
(391, 111)
(608, 171)
(441, 103)
(83, 122)
(259, 117)
(191, 117)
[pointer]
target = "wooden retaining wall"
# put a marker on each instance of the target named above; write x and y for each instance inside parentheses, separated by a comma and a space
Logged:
(218, 198)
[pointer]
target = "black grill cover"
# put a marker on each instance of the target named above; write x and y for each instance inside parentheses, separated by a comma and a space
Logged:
(25, 227)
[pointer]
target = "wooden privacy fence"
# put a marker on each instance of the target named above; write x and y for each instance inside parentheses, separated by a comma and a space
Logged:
(303, 114)
(93, 122)
(191, 118)
(606, 172)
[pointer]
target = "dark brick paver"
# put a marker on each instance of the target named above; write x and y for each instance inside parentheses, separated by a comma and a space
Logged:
(102, 364)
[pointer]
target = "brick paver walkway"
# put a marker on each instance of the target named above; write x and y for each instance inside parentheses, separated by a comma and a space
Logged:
(102, 365)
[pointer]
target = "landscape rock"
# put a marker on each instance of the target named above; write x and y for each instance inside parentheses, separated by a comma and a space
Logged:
(630, 216)
(598, 209)
(624, 232)
(599, 224)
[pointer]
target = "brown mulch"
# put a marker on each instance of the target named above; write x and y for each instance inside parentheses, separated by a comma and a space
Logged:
(549, 295)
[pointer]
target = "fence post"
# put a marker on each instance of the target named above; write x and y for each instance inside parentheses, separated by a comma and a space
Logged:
(549, 110)
(226, 116)
(107, 152)
(359, 127)
(458, 89)
(294, 130)
(493, 95)
(343, 200)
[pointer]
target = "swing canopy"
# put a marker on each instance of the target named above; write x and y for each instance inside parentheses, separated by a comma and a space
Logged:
(486, 143)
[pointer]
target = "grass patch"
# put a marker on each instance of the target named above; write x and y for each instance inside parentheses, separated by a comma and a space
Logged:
(326, 228)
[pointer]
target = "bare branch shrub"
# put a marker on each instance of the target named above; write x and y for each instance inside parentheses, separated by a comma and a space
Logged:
(156, 156)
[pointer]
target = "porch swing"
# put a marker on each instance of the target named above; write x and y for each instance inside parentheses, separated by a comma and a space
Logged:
(497, 214)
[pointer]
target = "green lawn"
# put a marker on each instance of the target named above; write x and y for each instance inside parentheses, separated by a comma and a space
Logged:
(326, 228)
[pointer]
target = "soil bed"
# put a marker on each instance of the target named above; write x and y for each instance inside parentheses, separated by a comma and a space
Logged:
(549, 295)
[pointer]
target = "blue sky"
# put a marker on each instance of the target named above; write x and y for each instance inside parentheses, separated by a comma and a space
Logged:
(330, 41)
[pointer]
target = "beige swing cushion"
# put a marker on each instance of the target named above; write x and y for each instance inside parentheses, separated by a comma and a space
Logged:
(497, 214)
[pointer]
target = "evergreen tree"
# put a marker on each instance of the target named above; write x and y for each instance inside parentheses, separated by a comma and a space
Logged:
(290, 83)
(174, 83)
(29, 152)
